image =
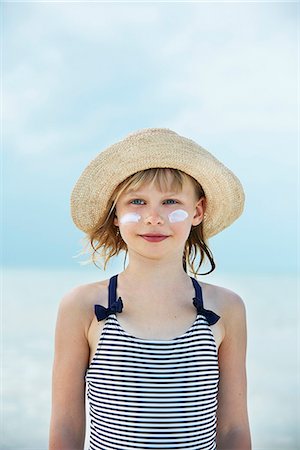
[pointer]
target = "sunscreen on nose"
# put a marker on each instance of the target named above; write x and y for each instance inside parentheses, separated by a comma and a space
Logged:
(179, 215)
(130, 218)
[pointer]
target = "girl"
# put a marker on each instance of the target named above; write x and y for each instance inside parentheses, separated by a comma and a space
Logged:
(162, 355)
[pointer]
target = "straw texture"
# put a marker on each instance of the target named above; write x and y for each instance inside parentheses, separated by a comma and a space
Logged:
(157, 147)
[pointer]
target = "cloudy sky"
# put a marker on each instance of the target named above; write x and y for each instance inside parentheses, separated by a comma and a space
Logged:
(77, 76)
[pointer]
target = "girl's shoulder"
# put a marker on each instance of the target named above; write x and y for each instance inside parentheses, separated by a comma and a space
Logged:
(80, 301)
(223, 301)
(82, 295)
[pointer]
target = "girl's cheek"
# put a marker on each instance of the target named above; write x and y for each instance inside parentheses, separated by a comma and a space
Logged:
(130, 218)
(179, 215)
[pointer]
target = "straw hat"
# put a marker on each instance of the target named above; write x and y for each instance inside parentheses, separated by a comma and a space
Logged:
(157, 147)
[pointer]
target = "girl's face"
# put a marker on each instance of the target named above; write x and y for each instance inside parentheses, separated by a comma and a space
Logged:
(151, 212)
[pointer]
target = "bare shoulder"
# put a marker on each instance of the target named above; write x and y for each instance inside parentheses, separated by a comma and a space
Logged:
(81, 300)
(225, 302)
(82, 295)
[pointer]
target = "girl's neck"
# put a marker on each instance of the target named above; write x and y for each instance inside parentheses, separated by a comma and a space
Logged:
(155, 280)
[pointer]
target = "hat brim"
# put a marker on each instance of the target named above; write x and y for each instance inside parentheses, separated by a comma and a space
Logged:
(157, 148)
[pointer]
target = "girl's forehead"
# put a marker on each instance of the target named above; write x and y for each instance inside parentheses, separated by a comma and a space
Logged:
(169, 189)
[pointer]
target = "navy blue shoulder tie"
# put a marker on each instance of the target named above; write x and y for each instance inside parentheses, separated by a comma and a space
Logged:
(210, 316)
(114, 306)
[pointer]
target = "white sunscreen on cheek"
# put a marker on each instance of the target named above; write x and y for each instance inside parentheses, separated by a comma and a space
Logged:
(179, 215)
(130, 218)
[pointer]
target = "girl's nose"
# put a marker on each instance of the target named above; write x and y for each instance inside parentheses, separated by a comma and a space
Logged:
(154, 218)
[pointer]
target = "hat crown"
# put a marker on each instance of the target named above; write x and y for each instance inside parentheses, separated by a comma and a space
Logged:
(151, 131)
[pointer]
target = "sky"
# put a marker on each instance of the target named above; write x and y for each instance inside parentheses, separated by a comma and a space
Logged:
(78, 76)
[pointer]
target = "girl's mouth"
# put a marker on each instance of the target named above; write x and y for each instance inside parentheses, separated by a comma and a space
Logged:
(154, 238)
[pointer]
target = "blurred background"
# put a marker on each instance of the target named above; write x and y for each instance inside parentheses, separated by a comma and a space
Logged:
(78, 76)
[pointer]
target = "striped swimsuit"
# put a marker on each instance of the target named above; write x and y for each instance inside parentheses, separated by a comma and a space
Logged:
(153, 394)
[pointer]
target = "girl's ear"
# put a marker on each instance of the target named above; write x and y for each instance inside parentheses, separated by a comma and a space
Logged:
(116, 221)
(199, 211)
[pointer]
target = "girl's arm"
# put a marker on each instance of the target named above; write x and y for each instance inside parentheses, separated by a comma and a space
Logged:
(233, 432)
(67, 427)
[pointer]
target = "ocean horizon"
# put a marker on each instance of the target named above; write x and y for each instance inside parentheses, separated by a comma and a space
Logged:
(30, 299)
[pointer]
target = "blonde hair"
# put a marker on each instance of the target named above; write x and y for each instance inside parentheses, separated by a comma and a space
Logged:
(105, 235)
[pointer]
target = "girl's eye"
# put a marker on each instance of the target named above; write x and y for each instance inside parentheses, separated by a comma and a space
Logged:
(136, 200)
(171, 200)
(139, 200)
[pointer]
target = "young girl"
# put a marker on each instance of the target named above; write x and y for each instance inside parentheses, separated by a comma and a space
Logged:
(162, 355)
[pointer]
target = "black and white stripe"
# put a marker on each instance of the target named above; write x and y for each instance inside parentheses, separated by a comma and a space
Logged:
(153, 394)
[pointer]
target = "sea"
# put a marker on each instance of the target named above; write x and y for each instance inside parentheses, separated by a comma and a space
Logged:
(29, 303)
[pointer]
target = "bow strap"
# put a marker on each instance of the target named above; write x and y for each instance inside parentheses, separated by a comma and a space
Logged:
(210, 316)
(102, 312)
